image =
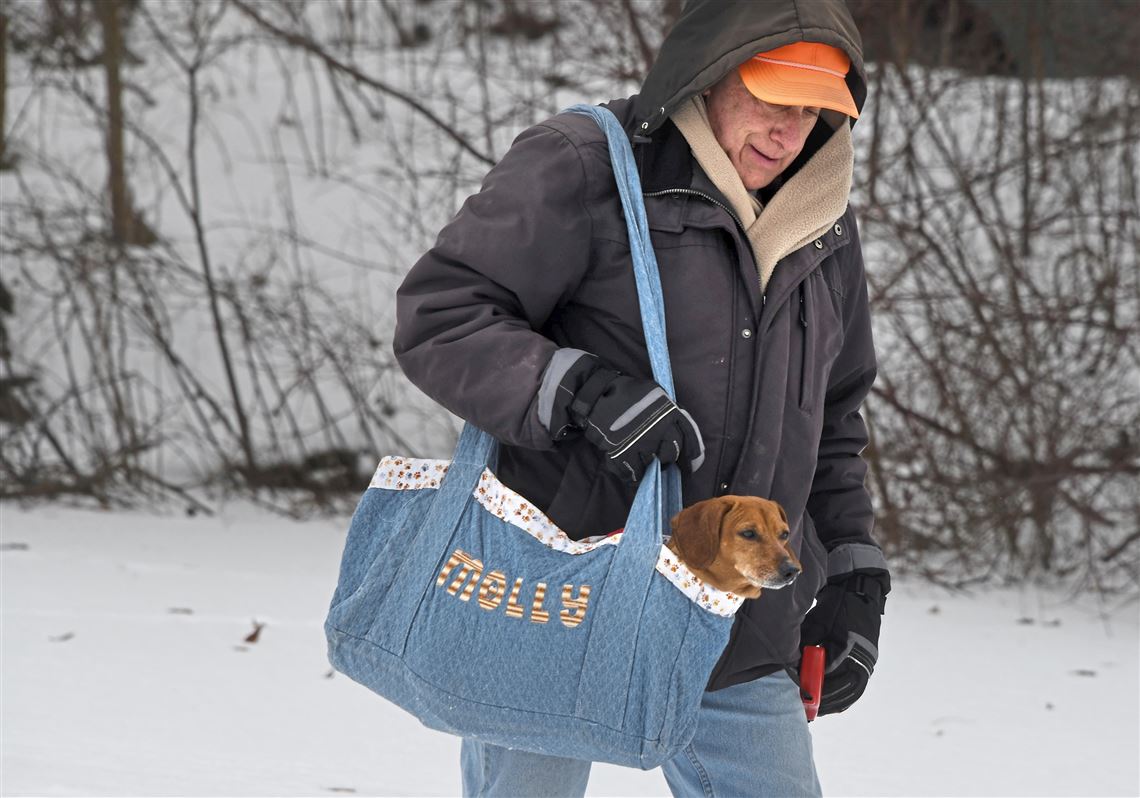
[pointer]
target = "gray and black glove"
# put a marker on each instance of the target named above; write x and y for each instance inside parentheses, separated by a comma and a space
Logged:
(630, 420)
(845, 621)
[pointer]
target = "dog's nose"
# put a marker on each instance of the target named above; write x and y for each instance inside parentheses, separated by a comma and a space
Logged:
(789, 570)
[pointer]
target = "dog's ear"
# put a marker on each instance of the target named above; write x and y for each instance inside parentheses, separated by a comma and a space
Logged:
(696, 531)
(783, 515)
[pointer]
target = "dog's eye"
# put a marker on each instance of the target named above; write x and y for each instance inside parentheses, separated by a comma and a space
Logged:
(785, 535)
(748, 534)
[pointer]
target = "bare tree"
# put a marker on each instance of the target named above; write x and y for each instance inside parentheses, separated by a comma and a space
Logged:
(1001, 217)
(3, 88)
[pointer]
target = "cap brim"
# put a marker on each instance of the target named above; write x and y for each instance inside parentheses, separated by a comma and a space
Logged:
(786, 85)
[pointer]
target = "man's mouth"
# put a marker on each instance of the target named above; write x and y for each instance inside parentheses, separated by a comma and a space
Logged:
(764, 158)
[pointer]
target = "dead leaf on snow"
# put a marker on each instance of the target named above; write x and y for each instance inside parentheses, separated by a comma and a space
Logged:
(256, 633)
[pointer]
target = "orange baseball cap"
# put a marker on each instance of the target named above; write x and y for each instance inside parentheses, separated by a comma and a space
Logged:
(804, 73)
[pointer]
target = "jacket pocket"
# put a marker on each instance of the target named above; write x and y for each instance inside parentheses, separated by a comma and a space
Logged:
(820, 339)
(807, 362)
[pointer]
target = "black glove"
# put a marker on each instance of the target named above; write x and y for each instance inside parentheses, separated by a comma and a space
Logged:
(629, 419)
(845, 621)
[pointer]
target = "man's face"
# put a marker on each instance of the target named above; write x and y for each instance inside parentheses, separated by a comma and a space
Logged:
(760, 139)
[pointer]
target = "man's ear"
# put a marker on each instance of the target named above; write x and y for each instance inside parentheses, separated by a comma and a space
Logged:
(696, 531)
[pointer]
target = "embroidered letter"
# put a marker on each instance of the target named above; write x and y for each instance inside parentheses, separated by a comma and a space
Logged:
(574, 609)
(514, 609)
(491, 590)
(464, 565)
(452, 561)
(537, 613)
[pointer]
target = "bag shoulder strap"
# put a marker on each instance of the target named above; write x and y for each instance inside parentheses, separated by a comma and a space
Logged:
(649, 295)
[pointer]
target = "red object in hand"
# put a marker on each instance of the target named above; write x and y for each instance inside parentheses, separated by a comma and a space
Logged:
(811, 679)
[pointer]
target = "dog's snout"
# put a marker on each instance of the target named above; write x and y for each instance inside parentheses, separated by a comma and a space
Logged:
(789, 570)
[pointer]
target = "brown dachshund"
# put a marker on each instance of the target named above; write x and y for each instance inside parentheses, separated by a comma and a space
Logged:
(736, 543)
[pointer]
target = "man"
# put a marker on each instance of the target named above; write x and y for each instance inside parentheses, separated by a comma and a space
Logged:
(523, 319)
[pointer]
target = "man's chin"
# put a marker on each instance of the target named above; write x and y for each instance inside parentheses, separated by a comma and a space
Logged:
(754, 183)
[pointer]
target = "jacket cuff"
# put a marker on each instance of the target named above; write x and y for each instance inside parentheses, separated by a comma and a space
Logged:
(851, 557)
(565, 373)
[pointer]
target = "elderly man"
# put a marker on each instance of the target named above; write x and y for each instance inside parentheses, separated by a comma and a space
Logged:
(523, 319)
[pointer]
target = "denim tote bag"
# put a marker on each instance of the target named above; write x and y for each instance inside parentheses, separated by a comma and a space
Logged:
(462, 603)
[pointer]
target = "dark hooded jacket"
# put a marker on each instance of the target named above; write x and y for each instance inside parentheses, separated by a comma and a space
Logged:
(535, 269)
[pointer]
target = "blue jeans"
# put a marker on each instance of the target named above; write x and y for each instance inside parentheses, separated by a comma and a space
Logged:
(752, 740)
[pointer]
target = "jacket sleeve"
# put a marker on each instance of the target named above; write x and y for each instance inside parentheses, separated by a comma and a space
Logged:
(839, 504)
(469, 311)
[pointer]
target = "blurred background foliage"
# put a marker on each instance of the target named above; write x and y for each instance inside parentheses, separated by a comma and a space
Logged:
(207, 206)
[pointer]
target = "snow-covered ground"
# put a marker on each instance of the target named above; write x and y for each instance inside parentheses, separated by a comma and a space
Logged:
(126, 671)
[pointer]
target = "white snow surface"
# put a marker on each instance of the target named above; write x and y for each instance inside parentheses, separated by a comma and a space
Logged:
(125, 672)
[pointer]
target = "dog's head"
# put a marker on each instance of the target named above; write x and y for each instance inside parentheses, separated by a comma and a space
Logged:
(736, 543)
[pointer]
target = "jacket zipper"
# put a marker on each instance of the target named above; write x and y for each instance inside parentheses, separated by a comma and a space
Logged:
(702, 195)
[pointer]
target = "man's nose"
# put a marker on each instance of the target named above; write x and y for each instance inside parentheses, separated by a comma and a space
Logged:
(783, 127)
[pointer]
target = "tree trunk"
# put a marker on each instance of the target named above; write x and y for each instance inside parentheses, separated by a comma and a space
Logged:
(3, 88)
(121, 216)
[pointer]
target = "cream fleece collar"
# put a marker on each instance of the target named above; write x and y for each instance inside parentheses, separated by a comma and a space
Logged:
(804, 207)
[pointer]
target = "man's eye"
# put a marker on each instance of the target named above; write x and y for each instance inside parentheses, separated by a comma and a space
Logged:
(748, 534)
(811, 112)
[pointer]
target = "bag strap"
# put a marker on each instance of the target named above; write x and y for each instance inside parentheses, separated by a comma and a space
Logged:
(475, 447)
(650, 297)
(608, 664)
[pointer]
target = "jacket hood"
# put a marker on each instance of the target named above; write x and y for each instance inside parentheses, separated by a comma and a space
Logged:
(712, 37)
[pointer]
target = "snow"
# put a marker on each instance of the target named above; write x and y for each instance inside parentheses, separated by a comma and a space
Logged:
(125, 672)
